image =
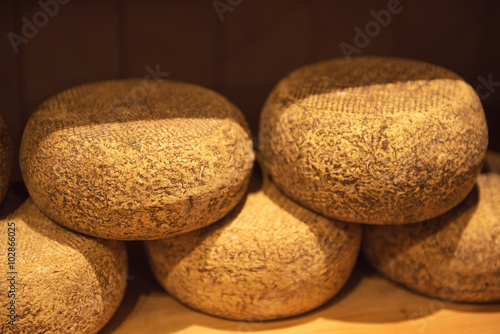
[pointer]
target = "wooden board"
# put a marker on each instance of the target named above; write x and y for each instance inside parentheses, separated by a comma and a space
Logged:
(368, 304)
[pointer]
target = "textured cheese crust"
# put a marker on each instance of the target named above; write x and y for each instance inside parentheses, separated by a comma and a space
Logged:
(455, 256)
(65, 282)
(268, 259)
(106, 161)
(376, 140)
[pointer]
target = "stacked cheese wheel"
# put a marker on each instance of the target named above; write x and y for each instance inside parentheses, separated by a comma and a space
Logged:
(397, 145)
(393, 144)
(170, 162)
(60, 281)
(375, 140)
(136, 160)
(111, 161)
(269, 258)
(452, 257)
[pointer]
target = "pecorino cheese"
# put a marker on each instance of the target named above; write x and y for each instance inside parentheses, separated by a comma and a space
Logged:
(374, 140)
(268, 259)
(136, 160)
(452, 257)
(56, 280)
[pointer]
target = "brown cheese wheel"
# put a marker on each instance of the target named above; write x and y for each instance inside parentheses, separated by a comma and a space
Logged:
(6, 156)
(374, 140)
(136, 159)
(269, 258)
(453, 257)
(58, 281)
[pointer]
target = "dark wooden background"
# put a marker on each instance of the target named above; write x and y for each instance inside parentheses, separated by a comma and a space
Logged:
(241, 57)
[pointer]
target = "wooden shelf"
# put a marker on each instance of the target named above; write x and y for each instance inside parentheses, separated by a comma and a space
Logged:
(369, 303)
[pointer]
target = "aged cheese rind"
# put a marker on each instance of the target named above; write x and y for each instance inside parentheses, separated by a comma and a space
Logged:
(269, 258)
(376, 140)
(65, 282)
(452, 257)
(103, 163)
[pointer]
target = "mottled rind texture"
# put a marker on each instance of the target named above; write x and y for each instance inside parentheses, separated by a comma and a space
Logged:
(6, 157)
(66, 282)
(269, 258)
(106, 160)
(453, 257)
(374, 140)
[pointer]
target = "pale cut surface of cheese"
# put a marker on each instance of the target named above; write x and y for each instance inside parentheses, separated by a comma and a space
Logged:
(136, 160)
(375, 140)
(455, 256)
(65, 282)
(268, 259)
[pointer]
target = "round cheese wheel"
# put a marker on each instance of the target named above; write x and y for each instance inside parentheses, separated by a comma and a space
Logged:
(6, 156)
(269, 258)
(56, 280)
(452, 257)
(135, 159)
(375, 140)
